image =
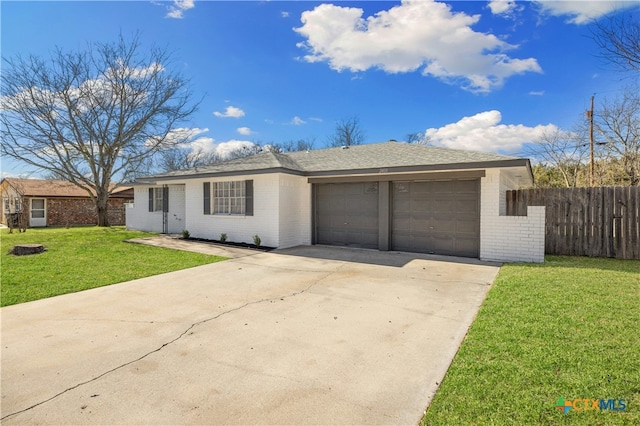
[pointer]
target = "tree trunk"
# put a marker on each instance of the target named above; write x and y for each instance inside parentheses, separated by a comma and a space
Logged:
(102, 207)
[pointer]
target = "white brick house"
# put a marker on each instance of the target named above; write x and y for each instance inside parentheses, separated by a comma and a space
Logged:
(387, 196)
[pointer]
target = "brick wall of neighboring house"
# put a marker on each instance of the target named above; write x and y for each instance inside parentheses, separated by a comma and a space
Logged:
(82, 211)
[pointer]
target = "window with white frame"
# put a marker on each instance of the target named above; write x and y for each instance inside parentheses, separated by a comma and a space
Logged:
(229, 198)
(37, 208)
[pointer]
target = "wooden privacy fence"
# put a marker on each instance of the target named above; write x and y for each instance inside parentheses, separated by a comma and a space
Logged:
(598, 222)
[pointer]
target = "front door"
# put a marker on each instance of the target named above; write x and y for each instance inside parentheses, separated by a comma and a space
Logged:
(38, 212)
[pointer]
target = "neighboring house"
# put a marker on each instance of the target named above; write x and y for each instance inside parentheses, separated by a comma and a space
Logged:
(387, 196)
(57, 203)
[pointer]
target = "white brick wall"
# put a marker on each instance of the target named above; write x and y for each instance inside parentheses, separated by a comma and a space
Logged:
(508, 238)
(240, 229)
(139, 217)
(295, 211)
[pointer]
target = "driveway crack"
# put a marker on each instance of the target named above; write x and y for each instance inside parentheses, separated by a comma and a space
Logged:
(164, 345)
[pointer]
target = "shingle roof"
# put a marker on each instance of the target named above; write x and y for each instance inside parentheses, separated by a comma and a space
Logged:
(387, 155)
(52, 188)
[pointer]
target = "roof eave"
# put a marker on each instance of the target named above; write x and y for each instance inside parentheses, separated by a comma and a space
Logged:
(152, 180)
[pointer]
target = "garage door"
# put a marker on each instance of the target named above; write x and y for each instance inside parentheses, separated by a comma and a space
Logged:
(347, 214)
(440, 217)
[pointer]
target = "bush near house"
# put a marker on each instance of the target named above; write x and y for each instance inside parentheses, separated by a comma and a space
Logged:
(82, 258)
(566, 329)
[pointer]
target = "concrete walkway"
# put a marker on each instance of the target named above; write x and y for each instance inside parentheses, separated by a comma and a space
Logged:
(310, 335)
(177, 243)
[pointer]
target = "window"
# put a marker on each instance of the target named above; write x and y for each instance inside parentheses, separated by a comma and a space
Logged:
(6, 204)
(37, 208)
(159, 199)
(229, 198)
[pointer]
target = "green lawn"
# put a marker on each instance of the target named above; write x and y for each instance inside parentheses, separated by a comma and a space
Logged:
(569, 328)
(82, 258)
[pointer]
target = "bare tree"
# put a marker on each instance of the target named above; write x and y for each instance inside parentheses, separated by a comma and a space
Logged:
(564, 151)
(179, 158)
(292, 146)
(16, 206)
(618, 37)
(92, 116)
(419, 138)
(245, 151)
(348, 132)
(414, 137)
(618, 122)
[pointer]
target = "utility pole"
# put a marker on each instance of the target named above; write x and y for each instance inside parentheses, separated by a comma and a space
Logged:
(591, 161)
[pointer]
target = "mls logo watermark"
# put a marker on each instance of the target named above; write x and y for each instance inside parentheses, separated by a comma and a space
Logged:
(587, 404)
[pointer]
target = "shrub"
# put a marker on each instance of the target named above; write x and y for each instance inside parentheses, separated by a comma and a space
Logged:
(223, 237)
(186, 234)
(256, 240)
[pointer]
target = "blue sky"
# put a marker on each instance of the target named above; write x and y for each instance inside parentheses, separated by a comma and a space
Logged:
(482, 75)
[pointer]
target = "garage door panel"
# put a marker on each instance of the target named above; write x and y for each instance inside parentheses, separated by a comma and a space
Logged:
(441, 217)
(466, 186)
(442, 187)
(443, 243)
(401, 187)
(418, 223)
(444, 225)
(466, 227)
(361, 207)
(347, 214)
(467, 247)
(402, 204)
(401, 226)
(362, 239)
(470, 207)
(441, 205)
(419, 204)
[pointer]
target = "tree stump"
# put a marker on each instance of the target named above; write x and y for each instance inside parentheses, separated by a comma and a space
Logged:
(24, 249)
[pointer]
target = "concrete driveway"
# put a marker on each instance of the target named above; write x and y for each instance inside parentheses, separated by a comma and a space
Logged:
(310, 335)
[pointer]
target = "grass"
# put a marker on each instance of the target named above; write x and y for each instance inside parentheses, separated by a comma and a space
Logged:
(82, 258)
(568, 328)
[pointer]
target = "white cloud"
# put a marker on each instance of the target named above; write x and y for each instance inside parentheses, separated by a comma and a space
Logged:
(231, 111)
(244, 131)
(483, 132)
(415, 35)
(222, 149)
(284, 14)
(502, 7)
(297, 121)
(177, 9)
(225, 149)
(316, 119)
(5, 175)
(536, 93)
(582, 12)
